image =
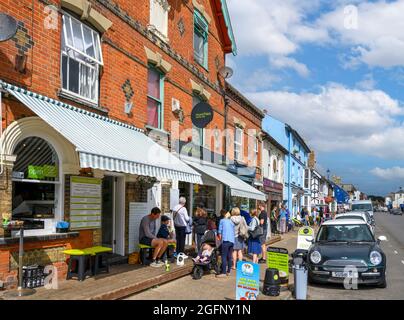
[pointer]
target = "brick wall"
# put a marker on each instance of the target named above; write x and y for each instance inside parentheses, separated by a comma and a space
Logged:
(5, 195)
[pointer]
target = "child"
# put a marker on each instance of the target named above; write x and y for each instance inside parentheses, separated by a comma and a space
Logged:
(165, 230)
(206, 252)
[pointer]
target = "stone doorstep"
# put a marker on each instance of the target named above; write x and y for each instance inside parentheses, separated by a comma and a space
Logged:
(144, 285)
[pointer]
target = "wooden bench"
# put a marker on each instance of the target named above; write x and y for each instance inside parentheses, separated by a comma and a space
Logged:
(144, 249)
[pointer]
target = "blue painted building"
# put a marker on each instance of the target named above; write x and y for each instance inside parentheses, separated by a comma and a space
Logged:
(296, 192)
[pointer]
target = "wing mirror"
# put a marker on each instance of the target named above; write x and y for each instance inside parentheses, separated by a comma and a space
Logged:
(382, 238)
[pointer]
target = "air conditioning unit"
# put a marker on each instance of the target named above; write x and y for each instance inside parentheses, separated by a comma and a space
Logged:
(176, 106)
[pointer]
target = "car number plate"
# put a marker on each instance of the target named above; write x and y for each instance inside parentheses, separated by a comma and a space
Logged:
(345, 274)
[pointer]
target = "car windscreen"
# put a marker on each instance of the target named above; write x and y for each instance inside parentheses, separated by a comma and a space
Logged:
(348, 233)
(362, 207)
(350, 217)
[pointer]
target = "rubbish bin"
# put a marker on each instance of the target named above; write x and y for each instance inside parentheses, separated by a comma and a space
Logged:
(271, 283)
(300, 274)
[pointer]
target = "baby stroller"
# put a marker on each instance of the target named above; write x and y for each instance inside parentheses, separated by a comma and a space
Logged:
(212, 262)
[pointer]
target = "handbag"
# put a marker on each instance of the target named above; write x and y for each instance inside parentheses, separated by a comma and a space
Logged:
(257, 232)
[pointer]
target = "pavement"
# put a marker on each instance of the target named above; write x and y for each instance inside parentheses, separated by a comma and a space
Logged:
(212, 288)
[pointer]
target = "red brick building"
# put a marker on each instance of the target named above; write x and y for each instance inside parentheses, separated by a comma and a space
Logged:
(80, 82)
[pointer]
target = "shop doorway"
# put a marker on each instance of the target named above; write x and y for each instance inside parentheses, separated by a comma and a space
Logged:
(112, 225)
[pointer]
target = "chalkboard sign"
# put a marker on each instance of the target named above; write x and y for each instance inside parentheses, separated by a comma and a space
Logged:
(202, 115)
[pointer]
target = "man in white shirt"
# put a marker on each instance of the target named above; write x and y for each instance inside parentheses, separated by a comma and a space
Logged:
(181, 218)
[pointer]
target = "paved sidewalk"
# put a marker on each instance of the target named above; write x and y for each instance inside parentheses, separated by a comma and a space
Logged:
(212, 288)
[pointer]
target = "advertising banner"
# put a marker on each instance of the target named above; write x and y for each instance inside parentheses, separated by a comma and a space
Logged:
(304, 238)
(247, 280)
(278, 258)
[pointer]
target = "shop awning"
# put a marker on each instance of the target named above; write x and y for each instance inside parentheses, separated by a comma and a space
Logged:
(238, 188)
(106, 144)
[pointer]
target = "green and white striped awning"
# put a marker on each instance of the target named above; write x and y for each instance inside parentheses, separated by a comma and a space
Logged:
(106, 144)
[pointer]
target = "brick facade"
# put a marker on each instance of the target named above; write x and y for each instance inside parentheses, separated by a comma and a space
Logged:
(125, 62)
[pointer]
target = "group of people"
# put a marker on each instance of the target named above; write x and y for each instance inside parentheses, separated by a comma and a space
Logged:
(280, 219)
(237, 232)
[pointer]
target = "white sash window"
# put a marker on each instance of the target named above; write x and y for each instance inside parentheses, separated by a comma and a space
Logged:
(81, 59)
(159, 17)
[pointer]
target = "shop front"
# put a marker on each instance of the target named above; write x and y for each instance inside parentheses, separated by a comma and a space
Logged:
(274, 191)
(64, 164)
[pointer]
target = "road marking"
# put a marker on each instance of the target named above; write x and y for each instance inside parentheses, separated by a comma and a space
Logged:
(395, 252)
(402, 261)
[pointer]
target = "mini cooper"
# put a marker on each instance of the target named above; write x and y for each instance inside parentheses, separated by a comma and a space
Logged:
(347, 249)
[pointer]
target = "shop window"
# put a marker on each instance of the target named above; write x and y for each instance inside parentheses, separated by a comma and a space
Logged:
(238, 144)
(201, 31)
(81, 60)
(306, 178)
(204, 197)
(198, 134)
(159, 17)
(35, 181)
(154, 98)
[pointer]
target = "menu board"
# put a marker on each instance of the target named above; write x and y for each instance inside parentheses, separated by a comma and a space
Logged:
(137, 210)
(85, 203)
(278, 258)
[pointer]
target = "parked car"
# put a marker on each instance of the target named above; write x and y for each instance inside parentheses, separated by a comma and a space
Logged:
(364, 216)
(397, 212)
(363, 205)
(342, 243)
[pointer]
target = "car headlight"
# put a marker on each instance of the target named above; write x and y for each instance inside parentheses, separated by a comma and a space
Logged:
(315, 257)
(375, 258)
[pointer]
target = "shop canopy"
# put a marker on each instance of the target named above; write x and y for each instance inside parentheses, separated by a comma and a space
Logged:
(238, 187)
(106, 144)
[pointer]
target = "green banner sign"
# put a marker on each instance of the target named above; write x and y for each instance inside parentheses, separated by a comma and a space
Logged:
(278, 258)
(35, 172)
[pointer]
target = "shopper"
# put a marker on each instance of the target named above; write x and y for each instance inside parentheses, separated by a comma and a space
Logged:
(200, 224)
(221, 216)
(254, 244)
(147, 236)
(212, 223)
(240, 235)
(181, 220)
(282, 219)
(226, 237)
(263, 218)
(274, 217)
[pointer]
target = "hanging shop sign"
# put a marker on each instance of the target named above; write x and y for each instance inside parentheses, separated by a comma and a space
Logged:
(304, 238)
(202, 115)
(278, 258)
(247, 280)
(85, 203)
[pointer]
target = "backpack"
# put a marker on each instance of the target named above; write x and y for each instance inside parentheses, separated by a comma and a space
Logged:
(243, 229)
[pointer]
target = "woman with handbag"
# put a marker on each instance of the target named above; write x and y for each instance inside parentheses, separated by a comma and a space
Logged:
(200, 226)
(240, 235)
(255, 230)
(181, 223)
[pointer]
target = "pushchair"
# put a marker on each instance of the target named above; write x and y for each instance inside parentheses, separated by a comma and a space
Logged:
(212, 262)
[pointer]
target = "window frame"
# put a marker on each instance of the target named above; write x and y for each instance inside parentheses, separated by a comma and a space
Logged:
(94, 65)
(239, 144)
(163, 15)
(160, 101)
(199, 20)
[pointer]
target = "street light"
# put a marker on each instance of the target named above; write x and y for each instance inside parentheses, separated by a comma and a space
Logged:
(226, 73)
(328, 174)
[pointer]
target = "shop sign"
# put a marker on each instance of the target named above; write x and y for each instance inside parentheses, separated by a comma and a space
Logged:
(270, 185)
(41, 172)
(278, 258)
(247, 280)
(304, 238)
(202, 115)
(85, 203)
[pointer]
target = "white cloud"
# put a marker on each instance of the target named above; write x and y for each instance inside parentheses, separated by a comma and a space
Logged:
(274, 29)
(367, 83)
(393, 173)
(378, 38)
(341, 119)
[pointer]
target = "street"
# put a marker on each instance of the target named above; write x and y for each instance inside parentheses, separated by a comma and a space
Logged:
(211, 288)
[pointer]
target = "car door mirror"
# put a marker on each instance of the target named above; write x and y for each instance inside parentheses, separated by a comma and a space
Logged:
(382, 238)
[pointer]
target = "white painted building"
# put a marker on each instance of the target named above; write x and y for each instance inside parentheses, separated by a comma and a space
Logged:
(398, 198)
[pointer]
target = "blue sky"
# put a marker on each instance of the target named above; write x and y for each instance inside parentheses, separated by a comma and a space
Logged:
(334, 70)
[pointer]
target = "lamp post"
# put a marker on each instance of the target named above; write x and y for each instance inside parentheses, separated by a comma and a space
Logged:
(226, 73)
(328, 174)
